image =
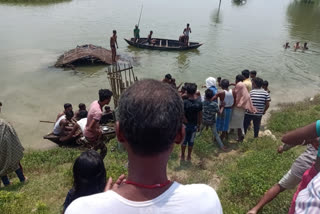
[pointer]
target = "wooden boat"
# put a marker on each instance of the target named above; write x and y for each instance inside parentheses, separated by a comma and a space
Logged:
(163, 44)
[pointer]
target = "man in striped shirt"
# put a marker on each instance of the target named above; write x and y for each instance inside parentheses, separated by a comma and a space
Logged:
(261, 100)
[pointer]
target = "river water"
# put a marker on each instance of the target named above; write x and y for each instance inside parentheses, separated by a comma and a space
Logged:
(241, 36)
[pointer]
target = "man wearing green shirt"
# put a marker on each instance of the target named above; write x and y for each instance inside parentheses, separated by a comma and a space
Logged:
(136, 34)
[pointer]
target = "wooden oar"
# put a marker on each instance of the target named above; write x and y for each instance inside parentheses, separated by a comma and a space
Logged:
(46, 121)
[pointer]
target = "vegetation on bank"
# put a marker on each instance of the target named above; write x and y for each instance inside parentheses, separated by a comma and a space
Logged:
(241, 176)
(32, 2)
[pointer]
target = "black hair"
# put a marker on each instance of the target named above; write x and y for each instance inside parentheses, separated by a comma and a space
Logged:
(191, 88)
(105, 94)
(188, 24)
(253, 72)
(89, 175)
(208, 94)
(67, 105)
(265, 83)
(151, 31)
(219, 79)
(183, 89)
(258, 82)
(114, 31)
(224, 83)
(168, 76)
(0, 103)
(69, 114)
(240, 78)
(83, 114)
(246, 73)
(150, 116)
(82, 106)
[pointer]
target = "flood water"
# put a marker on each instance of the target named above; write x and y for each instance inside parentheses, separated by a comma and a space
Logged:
(249, 35)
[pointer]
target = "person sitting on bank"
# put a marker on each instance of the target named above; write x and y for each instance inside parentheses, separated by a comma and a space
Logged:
(150, 124)
(92, 132)
(82, 107)
(67, 107)
(136, 34)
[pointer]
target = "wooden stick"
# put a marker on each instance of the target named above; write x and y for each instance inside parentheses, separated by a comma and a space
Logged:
(46, 121)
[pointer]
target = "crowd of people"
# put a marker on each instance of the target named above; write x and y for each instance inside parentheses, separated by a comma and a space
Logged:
(154, 116)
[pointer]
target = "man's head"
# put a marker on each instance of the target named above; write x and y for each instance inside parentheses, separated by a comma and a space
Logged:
(191, 88)
(69, 114)
(257, 82)
(168, 77)
(253, 74)
(151, 32)
(82, 106)
(136, 26)
(246, 73)
(208, 94)
(67, 107)
(265, 84)
(105, 96)
(239, 78)
(114, 32)
(224, 84)
(83, 114)
(188, 25)
(150, 118)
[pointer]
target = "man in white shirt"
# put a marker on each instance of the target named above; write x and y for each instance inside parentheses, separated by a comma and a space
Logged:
(149, 124)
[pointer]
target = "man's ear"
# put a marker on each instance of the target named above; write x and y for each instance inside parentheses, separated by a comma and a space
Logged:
(120, 134)
(180, 135)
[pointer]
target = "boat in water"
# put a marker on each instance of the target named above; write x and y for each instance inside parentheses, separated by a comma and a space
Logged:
(163, 44)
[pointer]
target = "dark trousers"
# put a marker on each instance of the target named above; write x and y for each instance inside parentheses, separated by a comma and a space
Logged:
(256, 123)
(19, 173)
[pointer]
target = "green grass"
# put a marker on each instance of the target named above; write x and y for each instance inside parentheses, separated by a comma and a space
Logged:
(240, 176)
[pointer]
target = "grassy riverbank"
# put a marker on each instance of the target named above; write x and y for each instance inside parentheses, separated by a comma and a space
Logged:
(241, 176)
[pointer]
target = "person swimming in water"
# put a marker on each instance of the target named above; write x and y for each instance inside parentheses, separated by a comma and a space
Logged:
(286, 46)
(296, 46)
(305, 46)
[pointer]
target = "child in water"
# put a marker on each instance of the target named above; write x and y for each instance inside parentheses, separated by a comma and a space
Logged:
(305, 46)
(286, 46)
(296, 46)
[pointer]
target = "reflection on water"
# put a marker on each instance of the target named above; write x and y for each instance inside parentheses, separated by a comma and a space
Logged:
(216, 18)
(304, 19)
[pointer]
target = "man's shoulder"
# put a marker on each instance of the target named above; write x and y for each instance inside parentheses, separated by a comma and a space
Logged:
(94, 203)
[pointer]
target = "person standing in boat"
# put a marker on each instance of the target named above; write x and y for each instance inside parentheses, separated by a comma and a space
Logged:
(136, 34)
(113, 43)
(186, 33)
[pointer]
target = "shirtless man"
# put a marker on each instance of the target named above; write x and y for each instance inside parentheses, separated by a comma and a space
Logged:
(67, 107)
(186, 33)
(286, 46)
(296, 46)
(69, 128)
(113, 43)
